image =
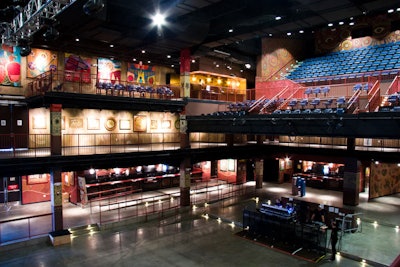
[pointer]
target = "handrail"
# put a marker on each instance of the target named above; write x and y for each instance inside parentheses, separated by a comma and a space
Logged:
(391, 87)
(277, 96)
(255, 104)
(373, 96)
(24, 218)
(353, 98)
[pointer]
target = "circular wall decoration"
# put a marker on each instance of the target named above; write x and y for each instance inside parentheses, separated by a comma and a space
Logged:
(177, 124)
(110, 124)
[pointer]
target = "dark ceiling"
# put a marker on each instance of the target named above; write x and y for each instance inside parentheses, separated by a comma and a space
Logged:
(201, 25)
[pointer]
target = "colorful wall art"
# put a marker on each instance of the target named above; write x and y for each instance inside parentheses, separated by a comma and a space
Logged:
(10, 66)
(40, 61)
(77, 68)
(108, 70)
(139, 73)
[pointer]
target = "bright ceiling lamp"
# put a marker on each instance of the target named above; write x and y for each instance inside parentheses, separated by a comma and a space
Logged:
(158, 19)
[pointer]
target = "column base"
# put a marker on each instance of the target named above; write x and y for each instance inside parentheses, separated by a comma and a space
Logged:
(60, 237)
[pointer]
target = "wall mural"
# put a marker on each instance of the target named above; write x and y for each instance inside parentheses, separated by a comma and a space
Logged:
(77, 68)
(377, 30)
(109, 70)
(140, 73)
(10, 66)
(39, 61)
(384, 180)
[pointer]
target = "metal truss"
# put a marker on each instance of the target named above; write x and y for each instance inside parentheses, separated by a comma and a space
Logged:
(29, 20)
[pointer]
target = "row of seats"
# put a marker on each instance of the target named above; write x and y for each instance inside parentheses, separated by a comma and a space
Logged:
(317, 90)
(226, 113)
(394, 99)
(382, 58)
(361, 86)
(338, 110)
(340, 101)
(132, 88)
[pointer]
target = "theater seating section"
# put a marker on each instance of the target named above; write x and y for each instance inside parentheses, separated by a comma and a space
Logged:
(361, 62)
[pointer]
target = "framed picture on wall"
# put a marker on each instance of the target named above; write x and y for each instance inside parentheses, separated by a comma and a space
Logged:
(154, 124)
(139, 123)
(39, 123)
(124, 124)
(166, 124)
(93, 124)
(75, 123)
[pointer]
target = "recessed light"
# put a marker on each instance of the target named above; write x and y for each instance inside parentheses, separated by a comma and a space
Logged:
(351, 23)
(330, 24)
(149, 61)
(230, 30)
(398, 9)
(270, 34)
(134, 59)
(172, 65)
(341, 23)
(77, 39)
(390, 11)
(193, 61)
(301, 31)
(143, 51)
(168, 56)
(111, 45)
(278, 18)
(289, 33)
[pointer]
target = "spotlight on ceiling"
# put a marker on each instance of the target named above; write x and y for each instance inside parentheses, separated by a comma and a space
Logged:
(93, 6)
(24, 47)
(51, 34)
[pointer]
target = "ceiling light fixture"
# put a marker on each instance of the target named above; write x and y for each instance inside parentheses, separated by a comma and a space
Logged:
(278, 17)
(143, 51)
(221, 52)
(330, 24)
(390, 11)
(158, 19)
(341, 23)
(168, 56)
(301, 31)
(230, 30)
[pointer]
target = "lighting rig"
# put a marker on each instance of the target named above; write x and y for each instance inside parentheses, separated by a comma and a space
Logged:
(29, 20)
